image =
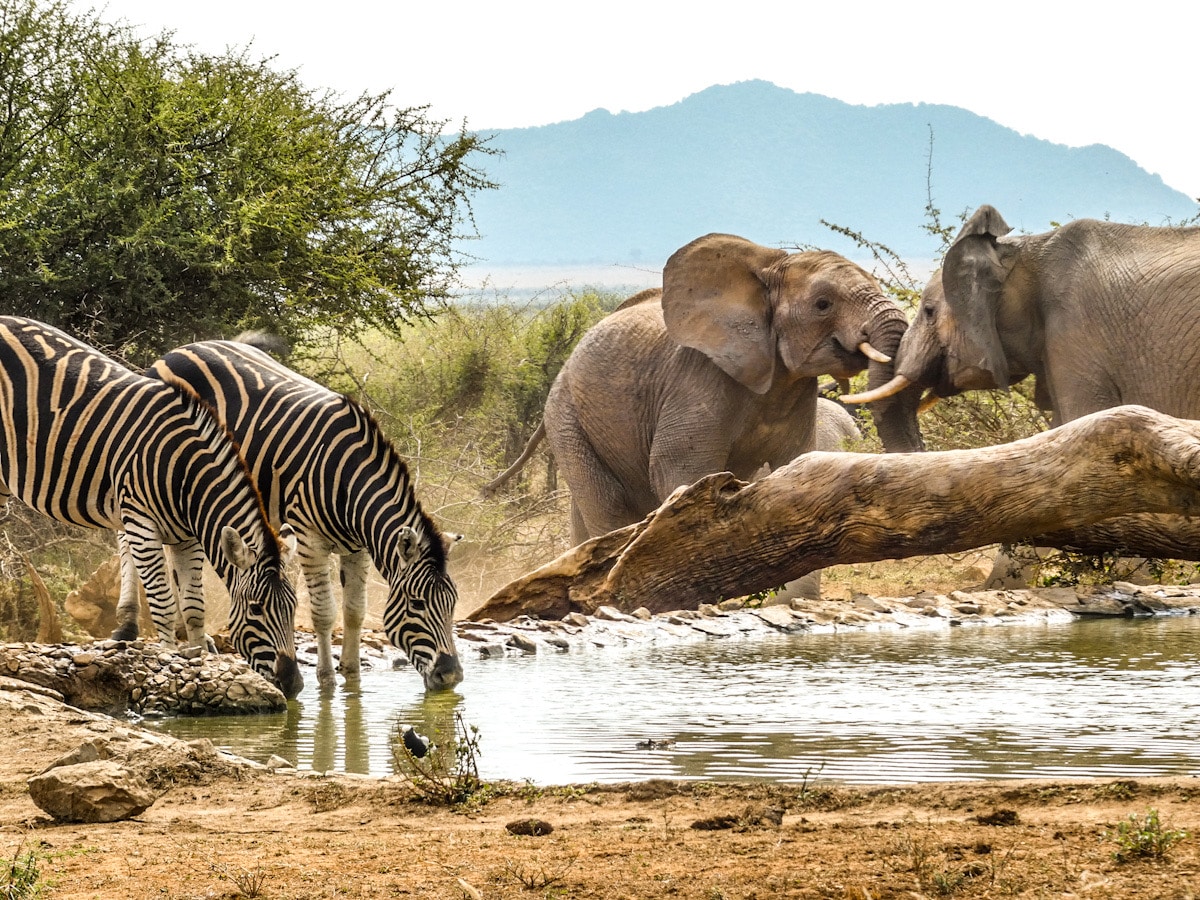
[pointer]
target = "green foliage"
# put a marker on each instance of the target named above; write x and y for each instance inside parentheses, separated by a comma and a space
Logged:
(983, 419)
(150, 195)
(1143, 838)
(21, 877)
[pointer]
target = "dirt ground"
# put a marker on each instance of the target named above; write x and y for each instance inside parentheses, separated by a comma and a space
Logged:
(258, 834)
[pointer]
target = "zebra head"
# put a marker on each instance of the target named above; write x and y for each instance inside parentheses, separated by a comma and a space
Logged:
(419, 618)
(262, 609)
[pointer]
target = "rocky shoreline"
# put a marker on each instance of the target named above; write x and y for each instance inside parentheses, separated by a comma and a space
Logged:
(145, 679)
(738, 619)
(120, 770)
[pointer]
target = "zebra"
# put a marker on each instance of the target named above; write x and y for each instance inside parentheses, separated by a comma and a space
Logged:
(322, 463)
(86, 441)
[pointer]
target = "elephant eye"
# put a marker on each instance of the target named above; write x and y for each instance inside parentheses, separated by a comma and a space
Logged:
(930, 312)
(823, 304)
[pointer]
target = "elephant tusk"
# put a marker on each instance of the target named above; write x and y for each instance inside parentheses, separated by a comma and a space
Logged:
(893, 387)
(870, 352)
(928, 402)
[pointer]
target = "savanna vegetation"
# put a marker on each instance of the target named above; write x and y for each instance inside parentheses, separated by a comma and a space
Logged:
(151, 195)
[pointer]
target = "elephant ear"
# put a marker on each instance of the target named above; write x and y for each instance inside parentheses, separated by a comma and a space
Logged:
(715, 299)
(973, 275)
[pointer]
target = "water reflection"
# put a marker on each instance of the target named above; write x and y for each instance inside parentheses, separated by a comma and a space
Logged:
(1109, 698)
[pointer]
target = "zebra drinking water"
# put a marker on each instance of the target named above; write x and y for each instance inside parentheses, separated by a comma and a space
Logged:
(86, 441)
(323, 464)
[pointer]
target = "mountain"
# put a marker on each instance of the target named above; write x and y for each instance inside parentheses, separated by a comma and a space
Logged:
(769, 164)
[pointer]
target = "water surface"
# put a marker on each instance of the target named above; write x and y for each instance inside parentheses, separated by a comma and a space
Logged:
(1116, 698)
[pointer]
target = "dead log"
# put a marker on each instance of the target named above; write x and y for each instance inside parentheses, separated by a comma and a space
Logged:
(49, 627)
(721, 537)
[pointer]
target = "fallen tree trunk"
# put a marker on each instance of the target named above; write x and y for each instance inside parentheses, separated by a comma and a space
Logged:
(721, 537)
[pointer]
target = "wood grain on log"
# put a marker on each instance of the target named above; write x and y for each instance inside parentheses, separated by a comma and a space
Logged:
(721, 537)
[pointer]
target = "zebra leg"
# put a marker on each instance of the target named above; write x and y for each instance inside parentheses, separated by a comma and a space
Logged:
(314, 562)
(354, 570)
(5, 496)
(149, 559)
(186, 561)
(127, 604)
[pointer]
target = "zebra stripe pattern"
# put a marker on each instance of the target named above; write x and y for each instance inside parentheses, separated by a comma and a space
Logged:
(86, 441)
(322, 464)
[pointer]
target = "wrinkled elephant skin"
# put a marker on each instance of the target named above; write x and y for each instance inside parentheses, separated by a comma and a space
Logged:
(715, 372)
(1102, 314)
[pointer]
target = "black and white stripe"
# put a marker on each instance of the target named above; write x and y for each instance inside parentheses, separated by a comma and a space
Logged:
(323, 464)
(86, 441)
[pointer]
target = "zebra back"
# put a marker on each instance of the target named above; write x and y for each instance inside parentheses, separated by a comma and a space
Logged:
(324, 465)
(87, 441)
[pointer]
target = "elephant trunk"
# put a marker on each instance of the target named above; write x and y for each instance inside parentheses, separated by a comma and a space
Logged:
(896, 415)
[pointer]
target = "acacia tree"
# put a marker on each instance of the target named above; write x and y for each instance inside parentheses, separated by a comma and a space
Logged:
(150, 195)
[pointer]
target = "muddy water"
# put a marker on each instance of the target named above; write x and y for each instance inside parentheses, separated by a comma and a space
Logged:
(1094, 698)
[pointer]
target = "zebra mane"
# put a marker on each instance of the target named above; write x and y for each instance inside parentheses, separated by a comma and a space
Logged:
(208, 412)
(433, 534)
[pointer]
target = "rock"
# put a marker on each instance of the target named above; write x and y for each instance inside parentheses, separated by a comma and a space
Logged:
(116, 678)
(867, 602)
(612, 614)
(575, 618)
(98, 791)
(1101, 606)
(522, 642)
(780, 617)
(529, 827)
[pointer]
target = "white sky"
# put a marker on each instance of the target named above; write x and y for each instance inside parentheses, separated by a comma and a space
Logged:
(1121, 74)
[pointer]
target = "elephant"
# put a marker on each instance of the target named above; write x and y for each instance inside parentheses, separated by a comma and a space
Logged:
(836, 426)
(717, 371)
(1101, 314)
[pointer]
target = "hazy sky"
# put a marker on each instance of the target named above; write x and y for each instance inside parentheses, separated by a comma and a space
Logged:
(1073, 73)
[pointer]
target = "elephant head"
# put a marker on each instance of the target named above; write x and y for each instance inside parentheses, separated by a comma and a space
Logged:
(766, 317)
(954, 343)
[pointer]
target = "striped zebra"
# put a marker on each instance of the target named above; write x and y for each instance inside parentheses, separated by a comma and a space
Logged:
(323, 464)
(86, 441)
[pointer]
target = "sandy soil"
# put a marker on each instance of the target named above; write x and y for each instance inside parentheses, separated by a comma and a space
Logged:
(258, 834)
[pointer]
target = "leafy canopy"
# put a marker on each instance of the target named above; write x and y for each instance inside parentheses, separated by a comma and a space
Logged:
(150, 195)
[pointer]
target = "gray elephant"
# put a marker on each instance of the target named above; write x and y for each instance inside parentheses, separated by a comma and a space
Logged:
(717, 372)
(1102, 314)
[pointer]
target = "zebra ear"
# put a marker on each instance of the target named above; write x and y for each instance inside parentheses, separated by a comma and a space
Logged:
(235, 548)
(410, 545)
(287, 542)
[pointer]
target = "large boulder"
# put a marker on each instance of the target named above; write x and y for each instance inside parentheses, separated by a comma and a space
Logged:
(103, 790)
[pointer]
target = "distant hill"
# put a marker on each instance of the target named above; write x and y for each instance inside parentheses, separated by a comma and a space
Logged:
(769, 164)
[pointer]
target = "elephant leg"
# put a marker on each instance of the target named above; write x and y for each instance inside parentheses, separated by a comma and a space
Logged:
(807, 587)
(579, 532)
(354, 569)
(600, 502)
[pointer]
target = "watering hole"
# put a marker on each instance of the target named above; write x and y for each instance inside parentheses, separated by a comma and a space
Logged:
(1108, 697)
